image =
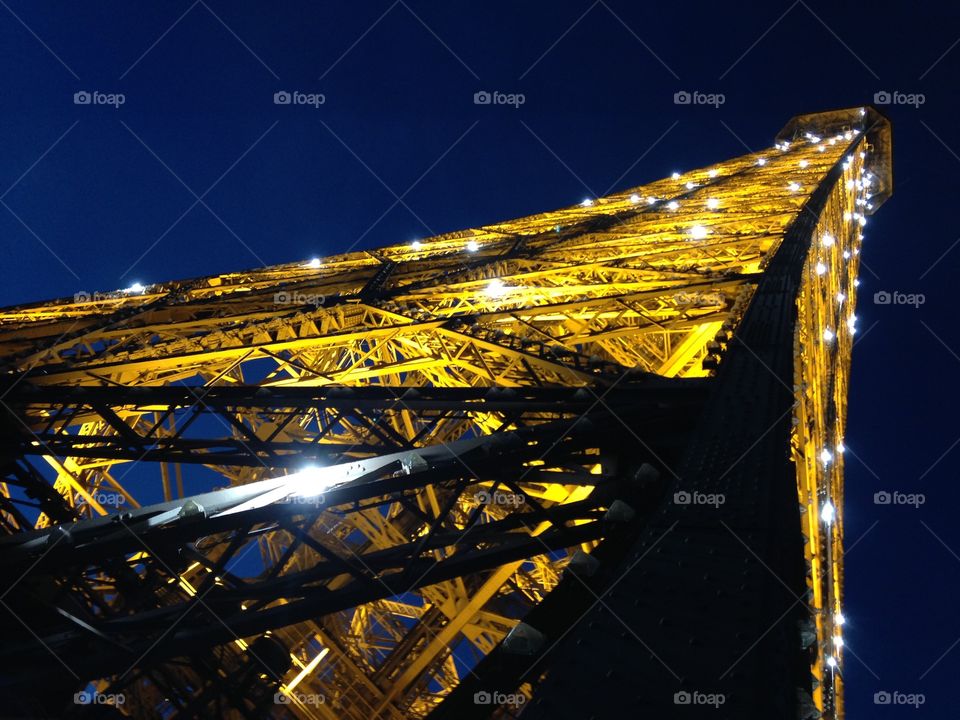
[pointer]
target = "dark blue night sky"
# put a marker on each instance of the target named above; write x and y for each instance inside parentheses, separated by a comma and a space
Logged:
(200, 172)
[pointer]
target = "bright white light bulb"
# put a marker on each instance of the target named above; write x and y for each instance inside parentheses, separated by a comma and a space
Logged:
(416, 244)
(856, 282)
(651, 200)
(846, 254)
(828, 513)
(761, 161)
(712, 173)
(827, 240)
(472, 246)
(313, 263)
(675, 176)
(673, 205)
(839, 619)
(825, 456)
(803, 163)
(713, 203)
(698, 232)
(820, 268)
(135, 288)
(838, 641)
(496, 288)
(841, 449)
(690, 185)
(828, 335)
(841, 297)
(634, 198)
(586, 202)
(831, 661)
(793, 187)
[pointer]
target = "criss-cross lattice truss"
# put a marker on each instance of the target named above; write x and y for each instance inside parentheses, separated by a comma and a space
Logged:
(415, 442)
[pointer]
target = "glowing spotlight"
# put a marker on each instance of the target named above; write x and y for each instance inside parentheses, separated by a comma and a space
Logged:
(496, 288)
(828, 513)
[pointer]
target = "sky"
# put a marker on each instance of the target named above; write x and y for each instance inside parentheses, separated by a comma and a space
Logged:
(199, 171)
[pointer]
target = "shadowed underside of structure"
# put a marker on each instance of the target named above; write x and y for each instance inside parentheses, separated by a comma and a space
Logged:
(578, 464)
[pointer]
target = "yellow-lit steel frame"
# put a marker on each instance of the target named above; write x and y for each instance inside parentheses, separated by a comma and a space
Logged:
(655, 278)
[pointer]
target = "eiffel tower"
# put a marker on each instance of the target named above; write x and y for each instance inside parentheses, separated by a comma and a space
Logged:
(585, 463)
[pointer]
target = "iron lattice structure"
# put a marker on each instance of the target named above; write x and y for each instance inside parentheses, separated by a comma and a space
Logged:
(395, 479)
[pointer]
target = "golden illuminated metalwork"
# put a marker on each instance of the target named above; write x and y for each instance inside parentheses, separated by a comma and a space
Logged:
(655, 278)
